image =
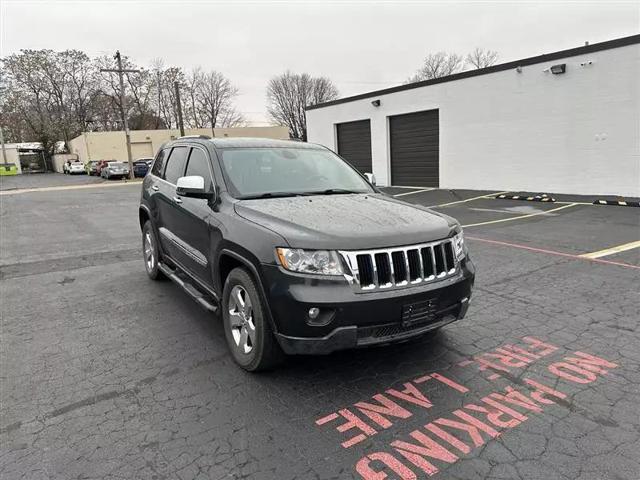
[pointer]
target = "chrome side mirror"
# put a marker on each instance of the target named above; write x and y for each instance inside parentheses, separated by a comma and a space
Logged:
(371, 177)
(192, 186)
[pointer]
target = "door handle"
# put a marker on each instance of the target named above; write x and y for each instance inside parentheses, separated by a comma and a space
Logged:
(177, 199)
(155, 188)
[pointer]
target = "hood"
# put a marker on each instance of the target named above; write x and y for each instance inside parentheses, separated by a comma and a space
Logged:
(346, 222)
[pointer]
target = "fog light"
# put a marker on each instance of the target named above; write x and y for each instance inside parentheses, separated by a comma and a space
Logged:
(313, 313)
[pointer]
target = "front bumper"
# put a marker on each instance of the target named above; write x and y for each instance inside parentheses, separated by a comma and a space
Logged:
(349, 319)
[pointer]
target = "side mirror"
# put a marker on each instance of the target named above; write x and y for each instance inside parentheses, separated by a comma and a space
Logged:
(192, 186)
(371, 177)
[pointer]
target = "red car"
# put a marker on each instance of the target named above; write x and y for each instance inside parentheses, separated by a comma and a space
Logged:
(101, 164)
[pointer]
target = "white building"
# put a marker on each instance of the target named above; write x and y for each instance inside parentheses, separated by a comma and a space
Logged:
(564, 122)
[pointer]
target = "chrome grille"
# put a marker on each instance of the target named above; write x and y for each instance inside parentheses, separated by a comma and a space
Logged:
(389, 268)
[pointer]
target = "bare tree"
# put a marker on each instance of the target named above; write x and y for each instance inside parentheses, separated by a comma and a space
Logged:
(48, 94)
(214, 96)
(436, 65)
(481, 58)
(230, 118)
(289, 94)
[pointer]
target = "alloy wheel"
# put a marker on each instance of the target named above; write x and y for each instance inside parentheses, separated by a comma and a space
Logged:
(243, 327)
(149, 252)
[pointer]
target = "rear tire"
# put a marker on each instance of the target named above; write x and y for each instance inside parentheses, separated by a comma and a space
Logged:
(246, 326)
(151, 252)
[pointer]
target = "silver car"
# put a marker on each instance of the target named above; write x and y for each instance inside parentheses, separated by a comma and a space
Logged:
(115, 170)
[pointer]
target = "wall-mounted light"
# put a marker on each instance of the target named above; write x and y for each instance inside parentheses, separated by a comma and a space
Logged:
(519, 69)
(376, 103)
(559, 68)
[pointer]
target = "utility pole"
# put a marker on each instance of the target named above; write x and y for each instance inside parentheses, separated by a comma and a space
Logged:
(121, 71)
(4, 152)
(179, 105)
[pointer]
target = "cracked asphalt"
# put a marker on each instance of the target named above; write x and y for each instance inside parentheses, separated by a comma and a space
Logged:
(107, 375)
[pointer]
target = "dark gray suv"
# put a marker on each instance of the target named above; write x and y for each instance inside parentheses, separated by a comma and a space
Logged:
(300, 252)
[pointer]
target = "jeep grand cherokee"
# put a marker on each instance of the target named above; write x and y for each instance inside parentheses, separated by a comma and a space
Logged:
(300, 252)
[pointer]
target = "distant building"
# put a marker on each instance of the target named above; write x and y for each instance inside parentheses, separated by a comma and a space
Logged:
(562, 122)
(145, 143)
(27, 157)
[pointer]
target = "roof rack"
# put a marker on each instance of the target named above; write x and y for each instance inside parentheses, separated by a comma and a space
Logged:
(206, 137)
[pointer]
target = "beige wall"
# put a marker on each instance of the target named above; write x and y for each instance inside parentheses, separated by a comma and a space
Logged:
(12, 157)
(145, 143)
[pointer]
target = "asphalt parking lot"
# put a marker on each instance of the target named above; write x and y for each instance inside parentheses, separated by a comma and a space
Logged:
(107, 375)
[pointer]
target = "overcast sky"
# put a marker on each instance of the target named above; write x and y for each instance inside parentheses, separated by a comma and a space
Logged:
(360, 45)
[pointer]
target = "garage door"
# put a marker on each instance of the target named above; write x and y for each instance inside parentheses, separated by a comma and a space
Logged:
(414, 149)
(141, 150)
(354, 144)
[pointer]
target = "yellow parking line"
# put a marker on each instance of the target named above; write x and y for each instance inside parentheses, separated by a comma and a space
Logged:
(521, 217)
(67, 187)
(612, 250)
(487, 195)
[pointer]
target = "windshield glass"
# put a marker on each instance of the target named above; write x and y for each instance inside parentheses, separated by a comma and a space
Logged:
(255, 172)
(116, 164)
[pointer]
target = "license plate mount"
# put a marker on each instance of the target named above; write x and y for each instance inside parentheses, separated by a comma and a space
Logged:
(419, 312)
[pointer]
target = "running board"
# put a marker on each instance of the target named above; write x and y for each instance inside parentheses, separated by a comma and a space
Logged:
(204, 300)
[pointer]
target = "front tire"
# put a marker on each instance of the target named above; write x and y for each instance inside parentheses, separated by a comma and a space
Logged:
(151, 252)
(246, 327)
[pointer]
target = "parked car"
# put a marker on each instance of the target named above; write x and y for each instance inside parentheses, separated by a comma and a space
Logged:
(74, 167)
(141, 167)
(115, 170)
(102, 164)
(91, 167)
(298, 251)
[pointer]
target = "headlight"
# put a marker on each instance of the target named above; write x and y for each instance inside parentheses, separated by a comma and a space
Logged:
(458, 245)
(321, 262)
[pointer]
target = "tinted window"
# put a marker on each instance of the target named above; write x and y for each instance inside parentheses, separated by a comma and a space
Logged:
(175, 164)
(158, 165)
(199, 165)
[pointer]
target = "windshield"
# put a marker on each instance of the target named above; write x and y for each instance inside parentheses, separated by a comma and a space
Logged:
(256, 172)
(116, 164)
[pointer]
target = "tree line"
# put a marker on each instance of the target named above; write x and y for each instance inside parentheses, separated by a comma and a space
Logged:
(48, 96)
(441, 64)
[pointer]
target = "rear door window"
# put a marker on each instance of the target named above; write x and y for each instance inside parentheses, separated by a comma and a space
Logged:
(158, 165)
(176, 164)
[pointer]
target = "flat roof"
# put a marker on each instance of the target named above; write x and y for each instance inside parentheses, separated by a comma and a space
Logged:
(547, 57)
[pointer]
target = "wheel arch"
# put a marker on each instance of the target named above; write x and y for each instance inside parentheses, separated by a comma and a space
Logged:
(144, 214)
(227, 261)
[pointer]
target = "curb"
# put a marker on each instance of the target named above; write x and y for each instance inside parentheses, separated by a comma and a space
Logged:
(619, 203)
(543, 197)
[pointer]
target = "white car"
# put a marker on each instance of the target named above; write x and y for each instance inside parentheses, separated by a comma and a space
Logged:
(74, 167)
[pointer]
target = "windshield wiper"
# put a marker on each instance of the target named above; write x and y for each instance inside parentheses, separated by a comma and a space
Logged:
(275, 195)
(334, 191)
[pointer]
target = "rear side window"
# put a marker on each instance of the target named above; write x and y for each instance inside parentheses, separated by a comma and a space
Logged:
(176, 164)
(158, 165)
(199, 165)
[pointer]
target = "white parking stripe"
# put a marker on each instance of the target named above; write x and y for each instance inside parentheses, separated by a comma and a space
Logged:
(519, 218)
(487, 195)
(416, 191)
(68, 187)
